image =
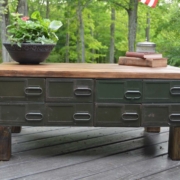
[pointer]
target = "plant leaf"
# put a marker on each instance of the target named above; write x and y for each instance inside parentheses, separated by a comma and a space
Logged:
(36, 15)
(55, 25)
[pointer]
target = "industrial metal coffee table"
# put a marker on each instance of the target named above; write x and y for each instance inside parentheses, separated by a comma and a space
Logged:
(100, 95)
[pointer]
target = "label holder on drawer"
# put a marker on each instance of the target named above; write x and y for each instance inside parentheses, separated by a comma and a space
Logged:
(33, 114)
(33, 89)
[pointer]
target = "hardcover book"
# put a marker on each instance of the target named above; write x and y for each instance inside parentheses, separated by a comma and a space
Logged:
(143, 55)
(134, 61)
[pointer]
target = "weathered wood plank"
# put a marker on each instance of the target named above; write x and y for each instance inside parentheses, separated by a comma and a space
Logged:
(49, 134)
(152, 129)
(5, 143)
(64, 147)
(15, 129)
(70, 136)
(75, 134)
(174, 143)
(41, 165)
(100, 166)
(85, 70)
(170, 174)
(33, 130)
(79, 141)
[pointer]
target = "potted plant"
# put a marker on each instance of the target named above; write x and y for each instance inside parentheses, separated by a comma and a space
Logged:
(31, 39)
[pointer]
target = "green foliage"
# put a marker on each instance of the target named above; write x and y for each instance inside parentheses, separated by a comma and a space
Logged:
(2, 9)
(36, 30)
(164, 27)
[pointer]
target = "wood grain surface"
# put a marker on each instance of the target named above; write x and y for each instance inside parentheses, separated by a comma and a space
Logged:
(85, 70)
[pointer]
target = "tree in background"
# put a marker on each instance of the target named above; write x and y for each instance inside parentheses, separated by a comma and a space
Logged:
(100, 31)
(22, 7)
(4, 23)
(112, 34)
(131, 7)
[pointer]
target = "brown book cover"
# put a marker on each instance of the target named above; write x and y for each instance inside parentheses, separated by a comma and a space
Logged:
(143, 55)
(133, 61)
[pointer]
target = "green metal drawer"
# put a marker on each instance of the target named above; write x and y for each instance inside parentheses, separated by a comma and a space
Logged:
(157, 91)
(117, 115)
(80, 114)
(22, 89)
(160, 114)
(127, 91)
(69, 90)
(22, 114)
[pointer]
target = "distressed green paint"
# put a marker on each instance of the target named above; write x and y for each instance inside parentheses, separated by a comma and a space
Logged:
(69, 90)
(155, 115)
(117, 115)
(78, 114)
(122, 91)
(157, 91)
(13, 89)
(19, 113)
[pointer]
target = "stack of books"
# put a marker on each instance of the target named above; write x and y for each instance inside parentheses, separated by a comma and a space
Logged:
(143, 59)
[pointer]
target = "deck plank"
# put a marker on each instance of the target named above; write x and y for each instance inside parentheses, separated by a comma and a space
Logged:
(81, 153)
(170, 174)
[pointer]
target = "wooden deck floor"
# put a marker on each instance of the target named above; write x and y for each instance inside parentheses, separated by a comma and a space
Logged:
(69, 153)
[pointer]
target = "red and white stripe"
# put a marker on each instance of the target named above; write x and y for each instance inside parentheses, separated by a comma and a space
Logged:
(150, 3)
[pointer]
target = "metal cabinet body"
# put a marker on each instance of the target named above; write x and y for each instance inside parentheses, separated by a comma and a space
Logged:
(89, 102)
(47, 102)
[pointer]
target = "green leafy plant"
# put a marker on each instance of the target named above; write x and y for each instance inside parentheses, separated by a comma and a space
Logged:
(32, 30)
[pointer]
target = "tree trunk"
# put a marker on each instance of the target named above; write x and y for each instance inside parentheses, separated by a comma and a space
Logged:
(78, 48)
(81, 32)
(47, 9)
(93, 50)
(67, 42)
(4, 23)
(132, 24)
(22, 7)
(148, 27)
(112, 32)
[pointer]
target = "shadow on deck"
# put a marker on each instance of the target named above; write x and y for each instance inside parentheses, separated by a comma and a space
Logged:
(88, 153)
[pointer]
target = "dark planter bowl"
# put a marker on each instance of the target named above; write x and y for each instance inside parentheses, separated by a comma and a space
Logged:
(29, 53)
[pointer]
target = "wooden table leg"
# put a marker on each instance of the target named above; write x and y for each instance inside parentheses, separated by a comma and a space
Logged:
(15, 129)
(174, 143)
(152, 129)
(5, 143)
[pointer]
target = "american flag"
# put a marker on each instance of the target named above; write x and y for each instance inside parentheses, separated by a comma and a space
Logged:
(150, 3)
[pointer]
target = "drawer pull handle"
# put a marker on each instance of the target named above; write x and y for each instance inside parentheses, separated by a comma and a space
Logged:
(83, 92)
(77, 116)
(173, 117)
(35, 89)
(175, 89)
(28, 115)
(134, 116)
(137, 93)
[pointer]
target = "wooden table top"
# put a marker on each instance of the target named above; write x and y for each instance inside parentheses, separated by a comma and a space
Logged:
(85, 70)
